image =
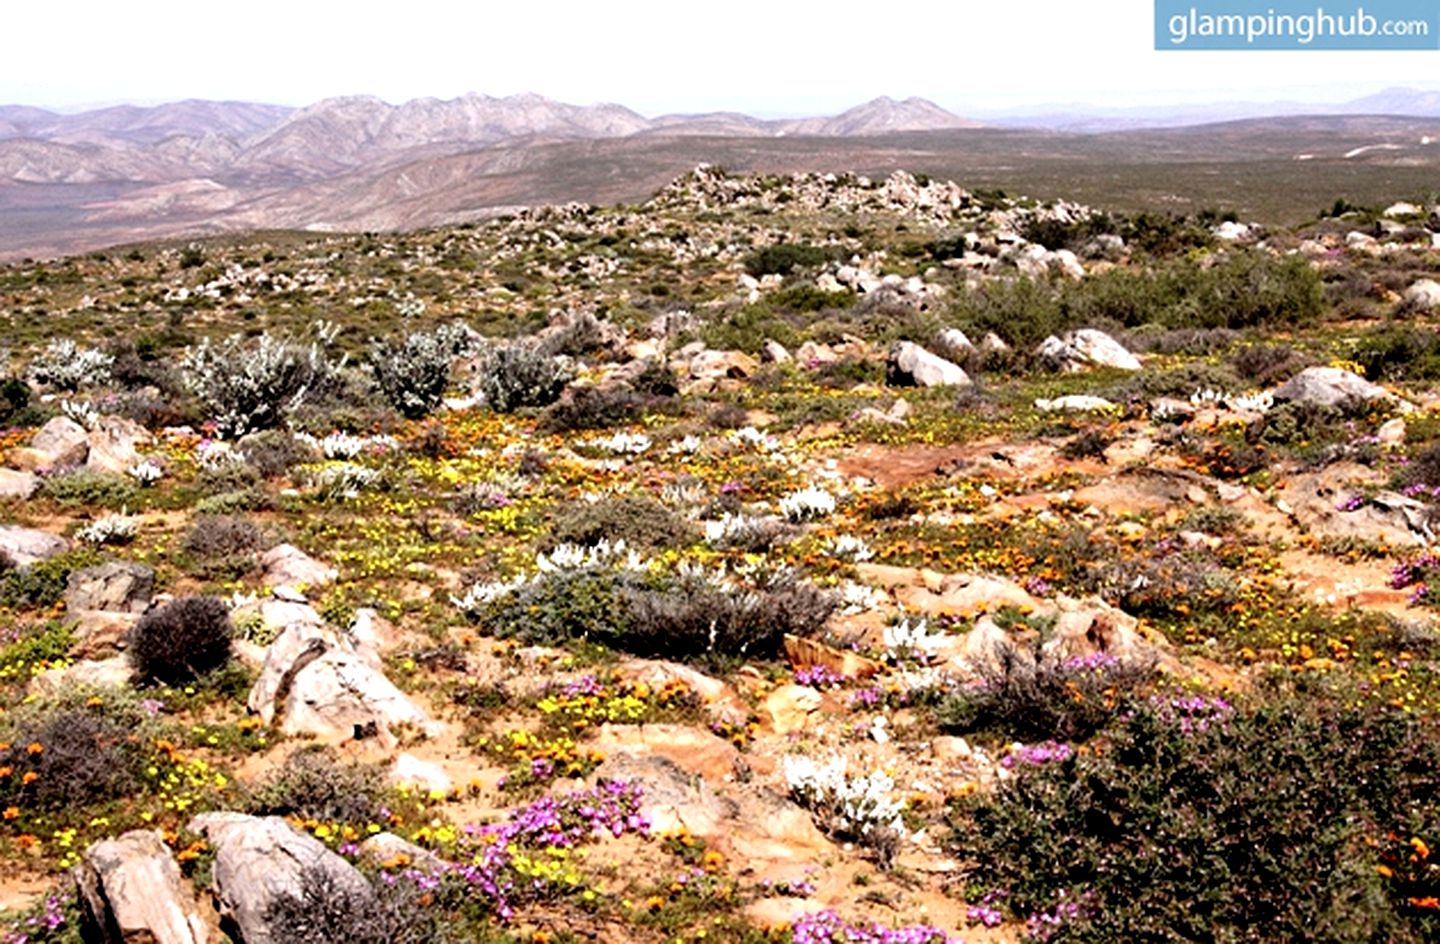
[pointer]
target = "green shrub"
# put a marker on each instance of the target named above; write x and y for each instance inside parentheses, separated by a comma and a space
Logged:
(245, 387)
(88, 489)
(78, 751)
(784, 258)
(638, 520)
(1022, 699)
(1194, 821)
(181, 641)
(272, 453)
(43, 583)
(315, 784)
(518, 375)
(227, 476)
(222, 536)
(593, 408)
(14, 397)
(1400, 353)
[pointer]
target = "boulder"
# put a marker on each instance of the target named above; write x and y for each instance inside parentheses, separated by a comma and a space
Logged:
(1091, 627)
(287, 565)
(131, 893)
(17, 484)
(100, 634)
(113, 445)
(812, 354)
(388, 850)
(410, 771)
(1084, 348)
(910, 365)
(1424, 295)
(773, 352)
(692, 749)
(721, 701)
(789, 708)
(63, 441)
(1321, 502)
(1330, 386)
(262, 859)
(25, 546)
(317, 681)
(952, 343)
(116, 586)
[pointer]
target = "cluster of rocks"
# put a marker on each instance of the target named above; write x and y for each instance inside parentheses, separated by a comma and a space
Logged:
(111, 445)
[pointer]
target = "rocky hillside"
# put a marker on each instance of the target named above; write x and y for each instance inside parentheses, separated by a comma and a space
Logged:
(794, 558)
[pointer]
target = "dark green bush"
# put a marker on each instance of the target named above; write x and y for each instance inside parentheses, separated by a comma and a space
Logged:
(14, 397)
(181, 641)
(86, 753)
(594, 408)
(1266, 365)
(1020, 698)
(639, 520)
(1399, 353)
(784, 258)
(1193, 821)
(222, 536)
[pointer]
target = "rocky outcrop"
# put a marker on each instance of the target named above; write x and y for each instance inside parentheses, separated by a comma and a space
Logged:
(131, 893)
(318, 681)
(61, 442)
(259, 860)
(287, 565)
(17, 484)
(113, 445)
(116, 586)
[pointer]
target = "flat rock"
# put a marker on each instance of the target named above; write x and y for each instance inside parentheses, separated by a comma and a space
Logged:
(287, 565)
(407, 770)
(113, 672)
(789, 708)
(694, 750)
(1085, 348)
(26, 546)
(1330, 386)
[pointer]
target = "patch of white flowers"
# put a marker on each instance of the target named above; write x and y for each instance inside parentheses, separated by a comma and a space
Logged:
(341, 446)
(621, 444)
(111, 529)
(853, 805)
(65, 365)
(687, 446)
(752, 438)
(343, 481)
(82, 413)
(856, 598)
(563, 558)
(740, 530)
(146, 472)
(211, 454)
(911, 641)
(847, 547)
(1240, 403)
(808, 504)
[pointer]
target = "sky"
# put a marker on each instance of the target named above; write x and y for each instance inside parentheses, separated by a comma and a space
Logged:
(770, 58)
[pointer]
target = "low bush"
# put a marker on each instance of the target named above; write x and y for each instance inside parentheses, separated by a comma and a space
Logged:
(325, 911)
(518, 375)
(1400, 353)
(638, 520)
(64, 754)
(222, 536)
(315, 784)
(65, 365)
(181, 641)
(594, 408)
(412, 373)
(1197, 821)
(246, 388)
(42, 584)
(14, 398)
(86, 489)
(273, 453)
(784, 258)
(1266, 365)
(1020, 698)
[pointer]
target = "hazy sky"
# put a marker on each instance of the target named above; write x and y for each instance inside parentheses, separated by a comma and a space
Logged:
(770, 57)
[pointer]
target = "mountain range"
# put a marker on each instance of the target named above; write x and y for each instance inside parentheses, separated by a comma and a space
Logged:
(73, 182)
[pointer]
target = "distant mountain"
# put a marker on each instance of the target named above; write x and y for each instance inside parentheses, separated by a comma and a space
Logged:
(1398, 101)
(882, 115)
(138, 125)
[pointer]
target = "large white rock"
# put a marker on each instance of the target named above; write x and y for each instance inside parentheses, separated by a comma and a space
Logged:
(113, 445)
(911, 365)
(259, 860)
(17, 484)
(25, 546)
(1086, 347)
(1330, 386)
(1424, 295)
(63, 440)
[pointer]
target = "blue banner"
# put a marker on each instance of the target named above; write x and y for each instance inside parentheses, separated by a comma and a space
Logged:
(1297, 24)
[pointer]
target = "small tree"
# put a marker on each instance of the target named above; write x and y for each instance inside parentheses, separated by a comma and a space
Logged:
(249, 389)
(412, 374)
